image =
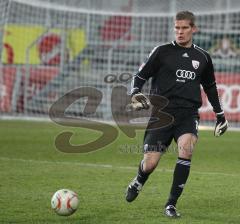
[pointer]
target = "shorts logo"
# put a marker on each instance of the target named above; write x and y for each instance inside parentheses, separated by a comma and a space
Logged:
(195, 64)
(196, 122)
(145, 147)
(185, 74)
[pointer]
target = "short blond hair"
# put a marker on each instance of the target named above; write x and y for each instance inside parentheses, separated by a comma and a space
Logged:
(186, 15)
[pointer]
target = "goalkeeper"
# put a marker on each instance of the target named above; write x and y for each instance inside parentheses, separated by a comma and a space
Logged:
(177, 70)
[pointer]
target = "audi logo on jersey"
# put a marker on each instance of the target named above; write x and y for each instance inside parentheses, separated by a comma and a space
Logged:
(184, 74)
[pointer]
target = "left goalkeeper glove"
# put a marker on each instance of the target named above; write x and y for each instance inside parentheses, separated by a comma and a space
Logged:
(221, 125)
(140, 101)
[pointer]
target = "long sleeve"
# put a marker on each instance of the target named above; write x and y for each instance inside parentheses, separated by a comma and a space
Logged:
(210, 88)
(213, 98)
(145, 71)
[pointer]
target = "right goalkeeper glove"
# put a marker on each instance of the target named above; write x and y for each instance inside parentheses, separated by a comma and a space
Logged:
(221, 125)
(140, 101)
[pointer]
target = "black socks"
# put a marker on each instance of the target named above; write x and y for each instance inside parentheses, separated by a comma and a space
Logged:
(180, 177)
(142, 176)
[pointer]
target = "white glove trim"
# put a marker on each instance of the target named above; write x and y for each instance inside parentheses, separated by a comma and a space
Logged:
(219, 127)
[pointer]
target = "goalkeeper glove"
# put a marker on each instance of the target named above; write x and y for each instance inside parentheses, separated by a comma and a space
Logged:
(140, 101)
(221, 125)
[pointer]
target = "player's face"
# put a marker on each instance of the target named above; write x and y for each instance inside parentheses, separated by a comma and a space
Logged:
(184, 32)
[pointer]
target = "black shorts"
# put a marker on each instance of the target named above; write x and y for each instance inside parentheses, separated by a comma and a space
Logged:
(185, 121)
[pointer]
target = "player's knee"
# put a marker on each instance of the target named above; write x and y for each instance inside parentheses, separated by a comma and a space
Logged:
(151, 160)
(185, 152)
(149, 167)
(186, 145)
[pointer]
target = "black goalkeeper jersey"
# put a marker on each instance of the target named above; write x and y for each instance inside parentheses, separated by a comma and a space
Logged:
(177, 74)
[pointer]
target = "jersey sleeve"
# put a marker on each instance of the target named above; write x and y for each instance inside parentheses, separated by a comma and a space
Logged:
(208, 78)
(145, 71)
(208, 82)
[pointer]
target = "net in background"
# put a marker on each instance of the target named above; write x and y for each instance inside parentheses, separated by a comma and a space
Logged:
(49, 49)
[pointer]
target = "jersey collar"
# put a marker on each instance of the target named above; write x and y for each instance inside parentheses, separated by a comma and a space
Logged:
(174, 43)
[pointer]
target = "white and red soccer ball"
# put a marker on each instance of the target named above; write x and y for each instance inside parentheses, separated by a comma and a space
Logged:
(65, 202)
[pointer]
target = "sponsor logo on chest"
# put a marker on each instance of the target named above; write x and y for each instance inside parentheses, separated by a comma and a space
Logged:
(183, 75)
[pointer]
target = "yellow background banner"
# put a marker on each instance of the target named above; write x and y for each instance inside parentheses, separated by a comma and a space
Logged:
(18, 38)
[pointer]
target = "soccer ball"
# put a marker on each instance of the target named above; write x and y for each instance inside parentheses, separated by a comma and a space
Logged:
(65, 202)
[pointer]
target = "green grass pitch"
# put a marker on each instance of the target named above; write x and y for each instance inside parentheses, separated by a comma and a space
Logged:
(31, 170)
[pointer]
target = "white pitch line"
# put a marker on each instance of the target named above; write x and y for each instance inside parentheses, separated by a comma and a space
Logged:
(107, 166)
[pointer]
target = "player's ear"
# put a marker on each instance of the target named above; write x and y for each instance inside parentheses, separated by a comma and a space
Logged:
(194, 29)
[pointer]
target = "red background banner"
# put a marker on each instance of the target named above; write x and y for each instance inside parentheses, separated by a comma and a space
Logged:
(228, 86)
